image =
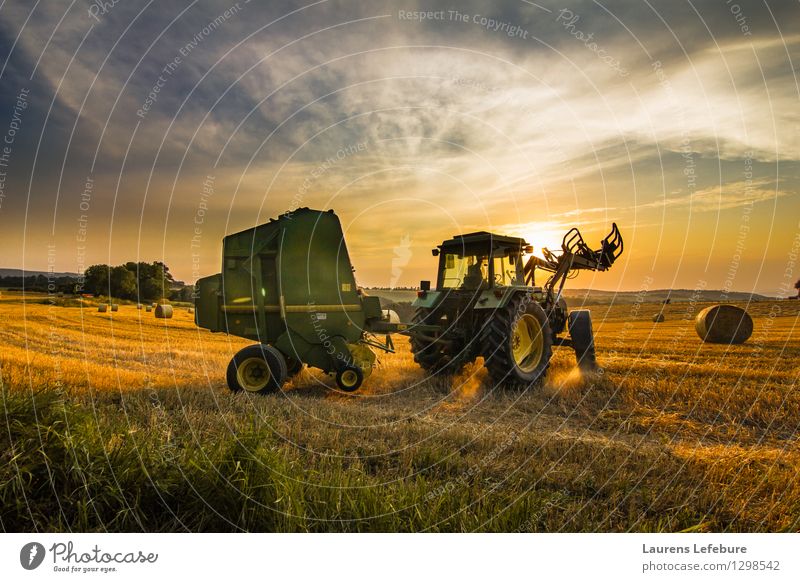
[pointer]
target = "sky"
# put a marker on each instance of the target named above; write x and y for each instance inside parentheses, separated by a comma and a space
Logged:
(143, 130)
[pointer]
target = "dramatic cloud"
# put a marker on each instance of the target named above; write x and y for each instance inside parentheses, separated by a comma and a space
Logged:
(412, 119)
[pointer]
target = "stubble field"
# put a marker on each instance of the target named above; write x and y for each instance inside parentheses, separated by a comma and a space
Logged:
(123, 422)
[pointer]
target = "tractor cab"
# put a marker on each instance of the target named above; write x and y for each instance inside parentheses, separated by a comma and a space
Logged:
(480, 260)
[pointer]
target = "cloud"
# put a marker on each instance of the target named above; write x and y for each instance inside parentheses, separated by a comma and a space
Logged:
(724, 197)
(486, 126)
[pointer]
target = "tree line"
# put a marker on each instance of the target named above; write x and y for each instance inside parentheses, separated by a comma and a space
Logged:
(136, 281)
(140, 281)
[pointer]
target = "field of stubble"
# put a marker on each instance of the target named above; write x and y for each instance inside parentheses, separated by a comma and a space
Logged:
(122, 422)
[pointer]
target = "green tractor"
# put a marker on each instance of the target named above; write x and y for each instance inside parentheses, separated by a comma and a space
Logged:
(486, 303)
(289, 286)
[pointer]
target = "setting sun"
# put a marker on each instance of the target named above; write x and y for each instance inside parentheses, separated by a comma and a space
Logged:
(542, 235)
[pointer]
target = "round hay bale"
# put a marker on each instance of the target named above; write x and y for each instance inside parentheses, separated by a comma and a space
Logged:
(724, 324)
(658, 318)
(114, 307)
(164, 311)
(138, 306)
(102, 308)
(191, 310)
(149, 308)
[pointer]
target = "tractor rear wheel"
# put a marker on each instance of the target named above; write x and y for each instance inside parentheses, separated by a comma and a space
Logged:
(582, 336)
(259, 369)
(517, 343)
(446, 357)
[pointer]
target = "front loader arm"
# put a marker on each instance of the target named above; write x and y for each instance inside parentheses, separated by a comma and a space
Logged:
(575, 255)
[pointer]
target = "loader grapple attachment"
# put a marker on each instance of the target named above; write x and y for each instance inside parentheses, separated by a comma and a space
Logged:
(610, 249)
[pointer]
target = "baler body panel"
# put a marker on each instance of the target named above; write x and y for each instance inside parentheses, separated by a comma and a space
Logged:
(288, 283)
(208, 300)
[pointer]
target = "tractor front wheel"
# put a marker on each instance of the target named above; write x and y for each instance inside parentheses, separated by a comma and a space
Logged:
(582, 336)
(517, 343)
(259, 369)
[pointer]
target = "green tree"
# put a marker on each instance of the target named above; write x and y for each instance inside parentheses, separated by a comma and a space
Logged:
(123, 282)
(185, 293)
(153, 279)
(96, 280)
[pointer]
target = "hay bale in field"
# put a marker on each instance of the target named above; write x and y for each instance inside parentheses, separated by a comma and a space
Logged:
(138, 306)
(102, 308)
(658, 318)
(149, 308)
(164, 311)
(191, 310)
(114, 307)
(724, 324)
(154, 305)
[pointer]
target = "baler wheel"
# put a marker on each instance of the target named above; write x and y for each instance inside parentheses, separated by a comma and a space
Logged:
(349, 378)
(259, 369)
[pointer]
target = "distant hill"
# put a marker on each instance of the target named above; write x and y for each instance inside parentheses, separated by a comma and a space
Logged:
(23, 273)
(658, 295)
(599, 296)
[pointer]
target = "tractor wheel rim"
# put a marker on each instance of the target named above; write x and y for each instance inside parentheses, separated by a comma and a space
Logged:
(527, 343)
(253, 374)
(349, 378)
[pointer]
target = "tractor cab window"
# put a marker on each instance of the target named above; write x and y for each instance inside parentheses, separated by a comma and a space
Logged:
(505, 271)
(465, 272)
